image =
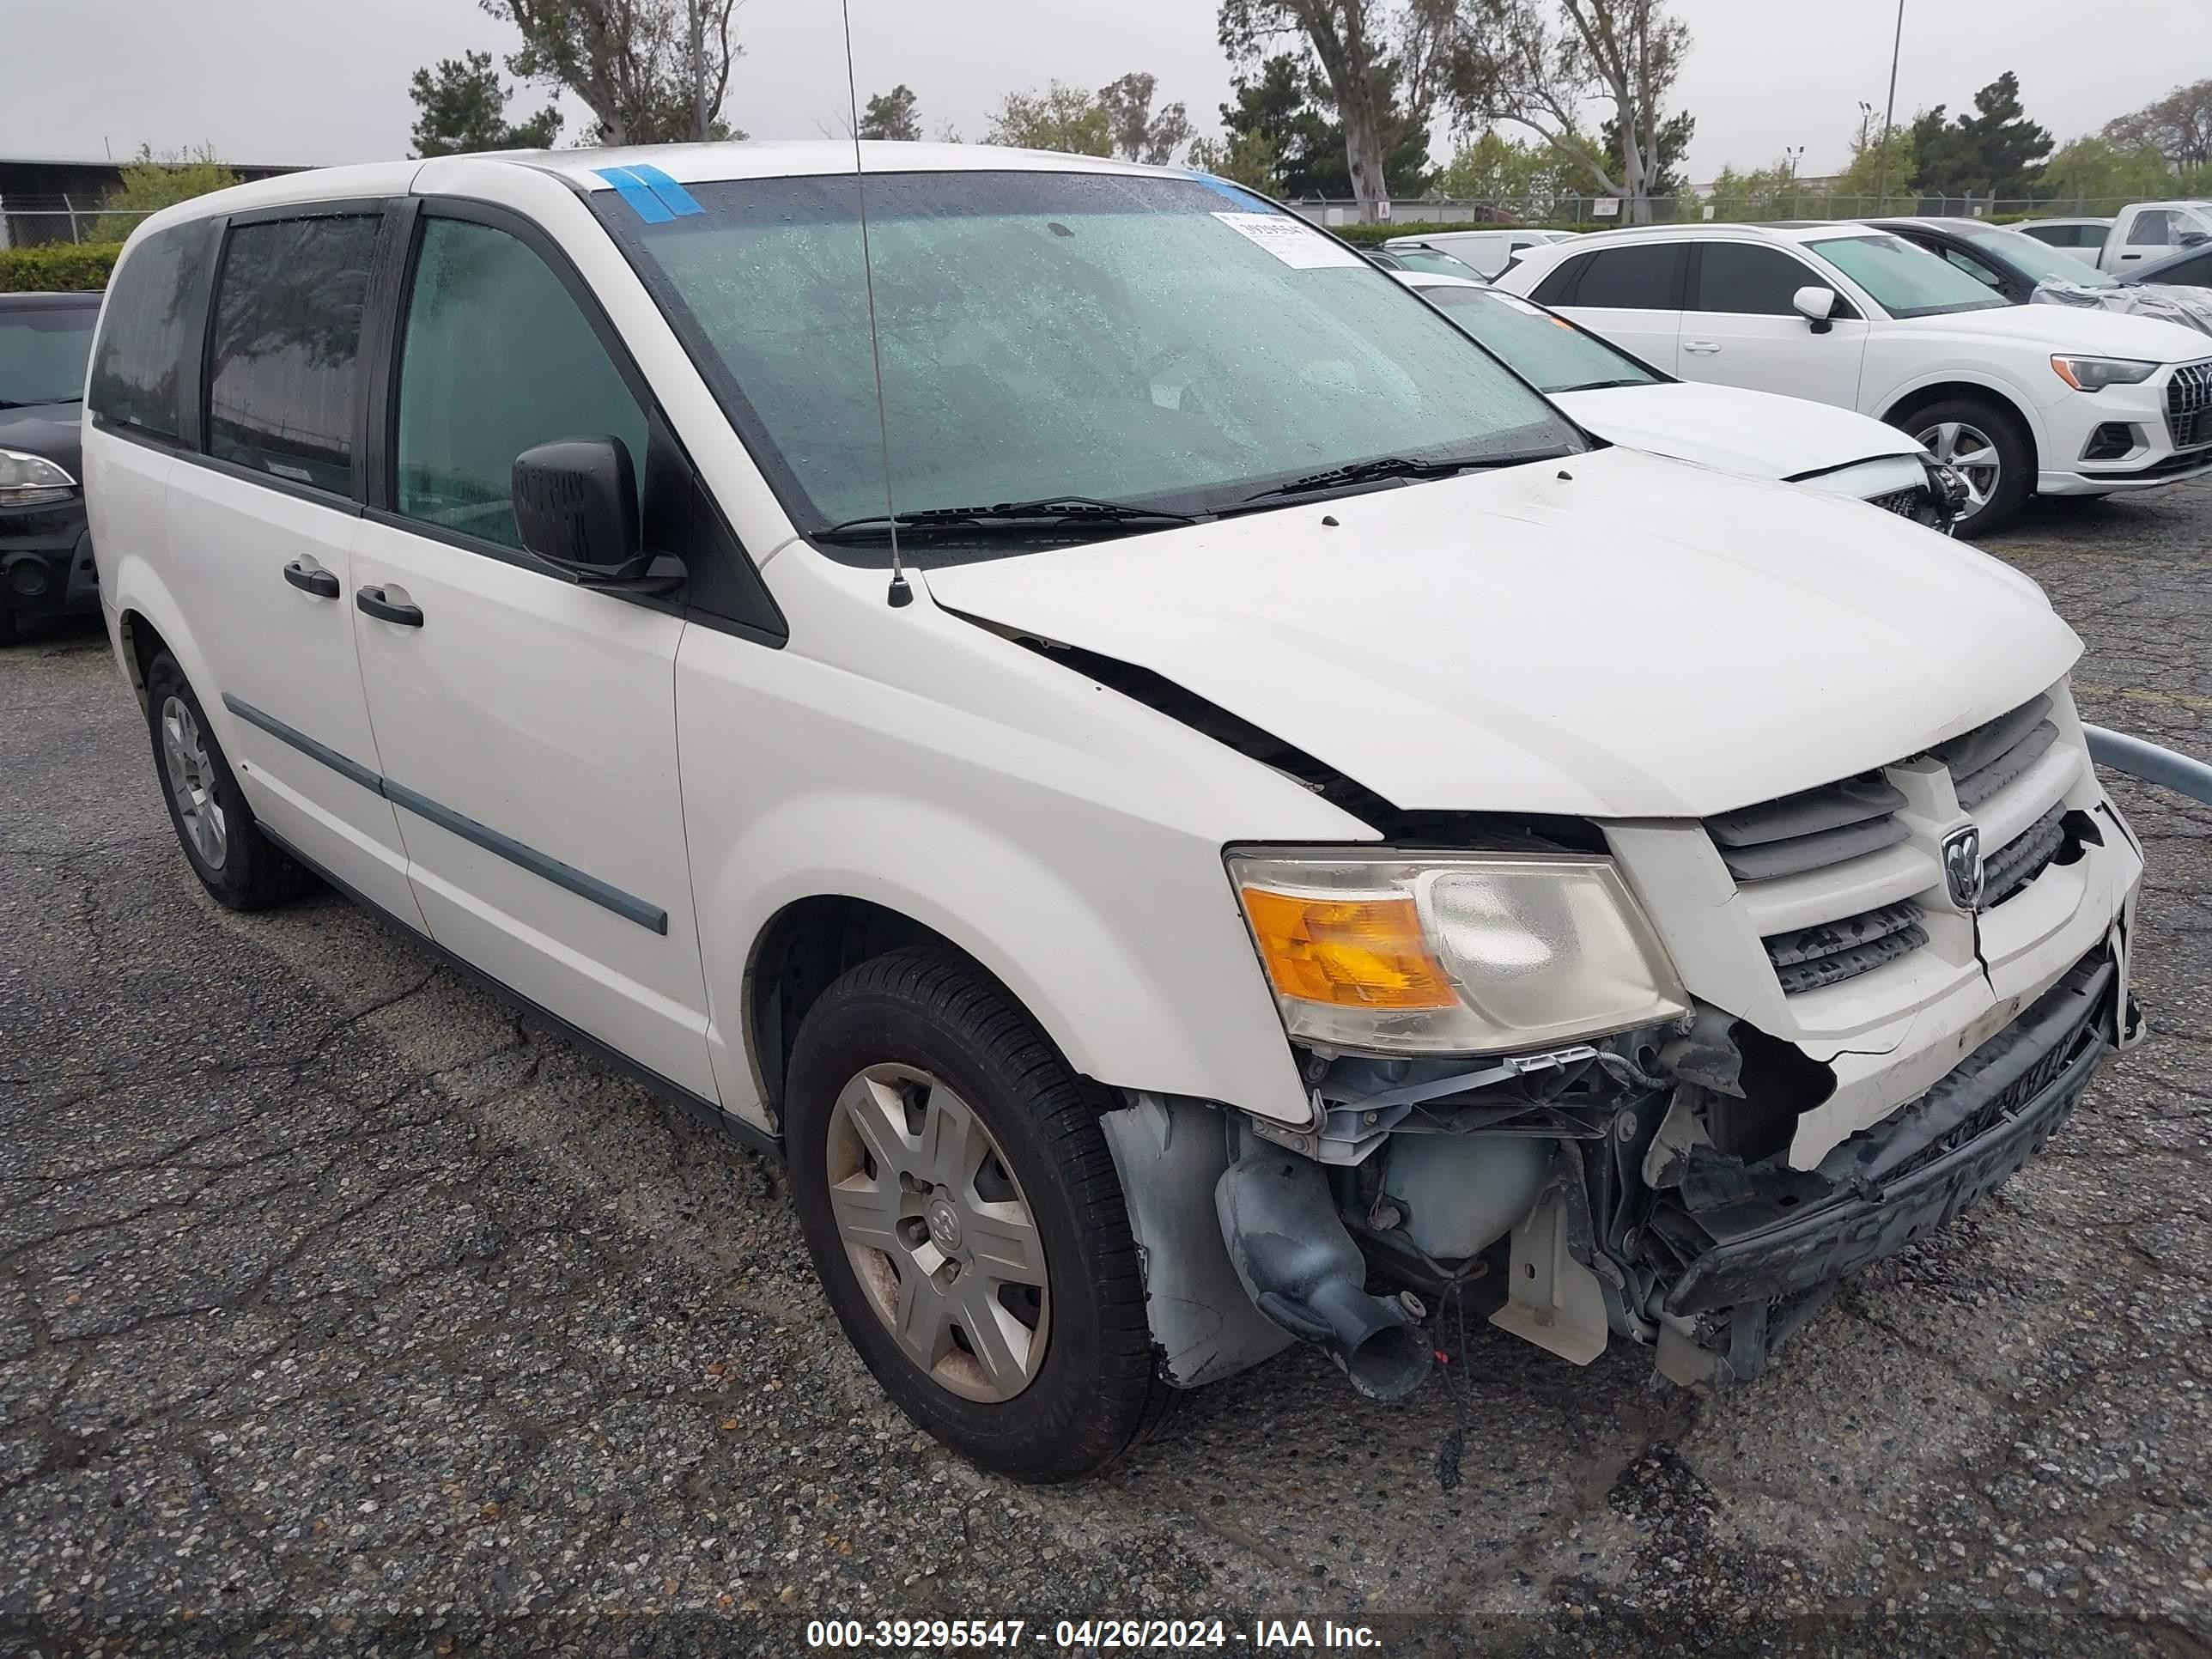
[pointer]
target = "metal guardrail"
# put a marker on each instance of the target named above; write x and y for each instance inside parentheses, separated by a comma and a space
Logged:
(2150, 763)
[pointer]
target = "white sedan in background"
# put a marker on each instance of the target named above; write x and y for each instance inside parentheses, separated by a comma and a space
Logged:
(1759, 435)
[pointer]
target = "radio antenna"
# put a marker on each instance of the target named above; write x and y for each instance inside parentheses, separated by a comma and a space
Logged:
(900, 593)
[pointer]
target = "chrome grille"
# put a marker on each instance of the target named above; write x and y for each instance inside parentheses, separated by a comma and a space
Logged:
(2189, 405)
(1832, 878)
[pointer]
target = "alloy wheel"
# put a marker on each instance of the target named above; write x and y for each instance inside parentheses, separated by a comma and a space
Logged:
(944, 1244)
(1973, 453)
(191, 782)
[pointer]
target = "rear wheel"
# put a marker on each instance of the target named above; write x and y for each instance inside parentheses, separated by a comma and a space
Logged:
(966, 1221)
(1988, 447)
(238, 865)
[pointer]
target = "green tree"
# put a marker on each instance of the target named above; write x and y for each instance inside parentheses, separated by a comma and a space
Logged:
(1671, 143)
(2178, 126)
(1140, 133)
(152, 182)
(1875, 181)
(1378, 64)
(894, 114)
(1282, 112)
(2096, 172)
(460, 105)
(1062, 118)
(1748, 198)
(1993, 151)
(1509, 172)
(1246, 158)
(651, 71)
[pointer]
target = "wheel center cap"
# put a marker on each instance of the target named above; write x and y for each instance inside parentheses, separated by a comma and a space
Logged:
(944, 1226)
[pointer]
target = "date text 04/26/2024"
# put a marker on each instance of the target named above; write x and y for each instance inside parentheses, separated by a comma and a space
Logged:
(1167, 1635)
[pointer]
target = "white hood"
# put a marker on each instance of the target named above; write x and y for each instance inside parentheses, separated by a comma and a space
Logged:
(1611, 635)
(2073, 328)
(1761, 435)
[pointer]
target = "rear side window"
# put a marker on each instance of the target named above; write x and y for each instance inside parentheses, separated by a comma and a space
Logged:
(497, 358)
(2150, 229)
(1755, 282)
(286, 363)
(1647, 277)
(141, 377)
(1558, 288)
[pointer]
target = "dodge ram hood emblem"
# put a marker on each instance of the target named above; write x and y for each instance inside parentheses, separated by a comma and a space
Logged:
(1963, 874)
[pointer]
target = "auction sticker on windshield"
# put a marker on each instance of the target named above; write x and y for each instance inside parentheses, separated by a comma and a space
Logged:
(1289, 239)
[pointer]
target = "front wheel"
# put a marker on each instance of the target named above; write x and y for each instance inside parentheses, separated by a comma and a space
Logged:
(1990, 449)
(966, 1219)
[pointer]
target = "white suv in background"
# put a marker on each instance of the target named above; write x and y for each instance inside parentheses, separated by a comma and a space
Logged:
(1300, 811)
(2020, 399)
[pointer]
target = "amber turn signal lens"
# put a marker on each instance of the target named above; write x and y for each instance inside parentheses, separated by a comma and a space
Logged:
(1350, 952)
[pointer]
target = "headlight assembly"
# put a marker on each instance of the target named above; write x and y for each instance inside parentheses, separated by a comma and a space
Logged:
(31, 480)
(2095, 373)
(1452, 954)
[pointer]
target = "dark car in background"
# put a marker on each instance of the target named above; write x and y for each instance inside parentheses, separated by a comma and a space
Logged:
(2191, 267)
(46, 552)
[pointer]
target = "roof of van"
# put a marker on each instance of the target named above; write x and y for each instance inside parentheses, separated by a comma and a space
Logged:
(687, 164)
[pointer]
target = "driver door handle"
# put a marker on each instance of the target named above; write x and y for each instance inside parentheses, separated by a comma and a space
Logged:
(322, 584)
(1701, 346)
(372, 601)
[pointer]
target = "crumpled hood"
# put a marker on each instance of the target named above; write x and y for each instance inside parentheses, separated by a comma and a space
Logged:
(1761, 434)
(1611, 635)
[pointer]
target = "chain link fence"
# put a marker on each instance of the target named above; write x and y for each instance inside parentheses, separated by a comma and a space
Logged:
(34, 221)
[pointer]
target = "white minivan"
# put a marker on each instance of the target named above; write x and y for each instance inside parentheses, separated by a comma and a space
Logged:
(1195, 808)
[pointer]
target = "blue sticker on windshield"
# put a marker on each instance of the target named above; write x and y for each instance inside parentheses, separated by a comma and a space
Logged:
(672, 196)
(643, 200)
(1237, 193)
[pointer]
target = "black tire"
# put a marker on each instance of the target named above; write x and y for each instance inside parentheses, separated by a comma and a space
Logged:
(1096, 1390)
(252, 873)
(2016, 454)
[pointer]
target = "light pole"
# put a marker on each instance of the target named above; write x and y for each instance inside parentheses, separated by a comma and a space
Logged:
(1889, 114)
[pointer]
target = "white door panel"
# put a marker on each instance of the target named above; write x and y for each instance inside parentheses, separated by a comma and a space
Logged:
(1774, 354)
(527, 729)
(286, 678)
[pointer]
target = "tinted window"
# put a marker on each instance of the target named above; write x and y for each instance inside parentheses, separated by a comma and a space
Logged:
(2150, 229)
(43, 352)
(1549, 352)
(1558, 288)
(286, 359)
(1973, 267)
(497, 358)
(1643, 278)
(2055, 236)
(1755, 282)
(155, 312)
(2195, 269)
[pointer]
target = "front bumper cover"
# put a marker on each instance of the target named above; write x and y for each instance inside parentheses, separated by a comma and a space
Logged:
(1758, 1247)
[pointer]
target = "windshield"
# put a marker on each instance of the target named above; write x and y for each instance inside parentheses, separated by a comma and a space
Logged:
(43, 352)
(1547, 351)
(1130, 339)
(1435, 263)
(1905, 281)
(2037, 261)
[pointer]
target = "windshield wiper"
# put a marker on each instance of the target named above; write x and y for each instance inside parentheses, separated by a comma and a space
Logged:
(1604, 385)
(1397, 466)
(1003, 516)
(34, 403)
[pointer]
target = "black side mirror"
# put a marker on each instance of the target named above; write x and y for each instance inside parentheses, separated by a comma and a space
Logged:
(575, 506)
(2194, 239)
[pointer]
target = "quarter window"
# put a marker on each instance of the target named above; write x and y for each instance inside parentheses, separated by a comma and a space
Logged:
(497, 358)
(150, 331)
(1647, 277)
(1748, 281)
(286, 363)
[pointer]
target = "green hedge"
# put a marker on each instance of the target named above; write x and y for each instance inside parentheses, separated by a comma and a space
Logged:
(58, 266)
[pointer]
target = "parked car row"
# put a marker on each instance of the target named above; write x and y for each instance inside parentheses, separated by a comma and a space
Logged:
(1160, 775)
(2022, 400)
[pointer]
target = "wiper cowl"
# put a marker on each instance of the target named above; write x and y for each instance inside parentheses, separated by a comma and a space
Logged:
(1003, 518)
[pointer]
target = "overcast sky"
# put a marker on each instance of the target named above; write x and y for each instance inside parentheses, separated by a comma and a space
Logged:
(325, 80)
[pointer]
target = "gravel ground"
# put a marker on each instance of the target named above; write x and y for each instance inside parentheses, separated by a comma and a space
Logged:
(339, 1312)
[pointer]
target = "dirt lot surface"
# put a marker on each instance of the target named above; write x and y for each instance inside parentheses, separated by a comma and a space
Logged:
(340, 1312)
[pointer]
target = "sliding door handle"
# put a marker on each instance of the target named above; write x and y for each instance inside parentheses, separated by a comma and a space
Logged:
(320, 583)
(372, 601)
